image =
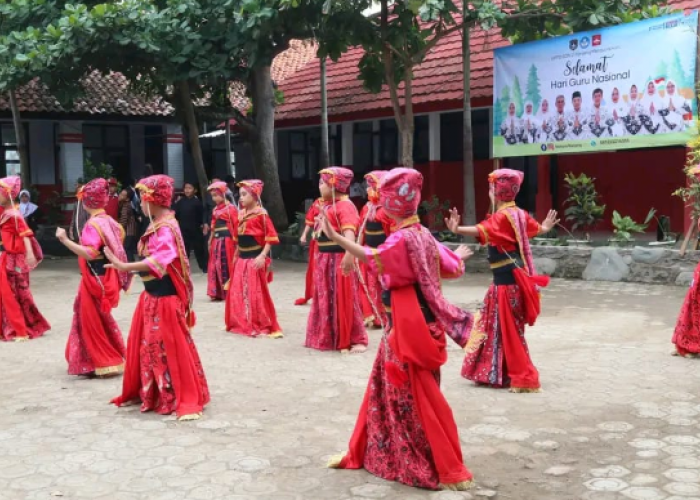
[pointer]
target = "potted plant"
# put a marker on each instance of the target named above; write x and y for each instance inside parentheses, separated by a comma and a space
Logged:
(432, 213)
(583, 210)
(625, 227)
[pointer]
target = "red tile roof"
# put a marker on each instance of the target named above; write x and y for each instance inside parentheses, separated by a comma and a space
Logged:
(109, 94)
(437, 83)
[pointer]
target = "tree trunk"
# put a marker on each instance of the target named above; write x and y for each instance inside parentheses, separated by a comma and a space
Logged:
(408, 126)
(21, 141)
(469, 208)
(263, 144)
(185, 101)
(325, 156)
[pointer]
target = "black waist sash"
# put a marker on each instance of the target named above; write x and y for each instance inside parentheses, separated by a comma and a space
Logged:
(374, 234)
(221, 229)
(248, 247)
(425, 309)
(97, 265)
(328, 246)
(503, 265)
(158, 287)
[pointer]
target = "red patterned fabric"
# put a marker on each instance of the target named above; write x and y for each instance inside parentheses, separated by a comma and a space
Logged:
(686, 335)
(157, 189)
(94, 194)
(374, 180)
(400, 192)
(253, 186)
(20, 316)
(310, 221)
(506, 183)
(11, 186)
(371, 293)
(221, 250)
(338, 178)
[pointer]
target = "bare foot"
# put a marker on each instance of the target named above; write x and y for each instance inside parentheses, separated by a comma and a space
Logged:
(276, 335)
(358, 349)
(188, 418)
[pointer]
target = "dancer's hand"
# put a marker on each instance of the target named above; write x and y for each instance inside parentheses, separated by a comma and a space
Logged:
(61, 234)
(452, 222)
(464, 252)
(205, 229)
(325, 226)
(550, 221)
(302, 240)
(259, 261)
(347, 264)
(115, 263)
(30, 260)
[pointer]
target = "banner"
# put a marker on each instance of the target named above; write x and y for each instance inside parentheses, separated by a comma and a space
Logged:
(629, 86)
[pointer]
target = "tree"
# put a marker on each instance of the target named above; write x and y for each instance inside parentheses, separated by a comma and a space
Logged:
(532, 92)
(662, 70)
(676, 72)
(517, 97)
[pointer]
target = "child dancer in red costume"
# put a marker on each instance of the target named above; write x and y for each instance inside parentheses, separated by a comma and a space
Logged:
(497, 353)
(249, 307)
(405, 431)
(309, 223)
(163, 370)
(224, 231)
(335, 319)
(95, 345)
(375, 226)
(21, 253)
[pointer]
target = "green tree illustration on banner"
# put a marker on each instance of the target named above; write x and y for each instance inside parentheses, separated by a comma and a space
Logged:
(517, 97)
(662, 70)
(501, 110)
(676, 73)
(532, 92)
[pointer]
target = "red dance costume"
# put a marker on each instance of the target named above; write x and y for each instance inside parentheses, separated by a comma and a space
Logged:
(686, 336)
(310, 221)
(497, 353)
(249, 307)
(375, 226)
(335, 320)
(21, 318)
(95, 344)
(224, 227)
(163, 369)
(405, 430)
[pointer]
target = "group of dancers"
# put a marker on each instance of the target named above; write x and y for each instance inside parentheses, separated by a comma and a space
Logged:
(380, 267)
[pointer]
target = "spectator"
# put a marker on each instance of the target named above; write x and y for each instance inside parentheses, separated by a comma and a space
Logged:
(127, 219)
(189, 212)
(232, 193)
(28, 209)
(112, 207)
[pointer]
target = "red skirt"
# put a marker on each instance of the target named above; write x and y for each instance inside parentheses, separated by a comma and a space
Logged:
(308, 291)
(94, 345)
(371, 297)
(249, 307)
(20, 316)
(163, 369)
(335, 320)
(686, 336)
(219, 272)
(497, 353)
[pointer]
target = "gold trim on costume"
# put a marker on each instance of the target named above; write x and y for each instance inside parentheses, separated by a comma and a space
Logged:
(377, 261)
(328, 244)
(477, 337)
(413, 219)
(109, 370)
(157, 265)
(502, 263)
(250, 249)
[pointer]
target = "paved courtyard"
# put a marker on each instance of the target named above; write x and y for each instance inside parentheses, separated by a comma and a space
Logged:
(619, 418)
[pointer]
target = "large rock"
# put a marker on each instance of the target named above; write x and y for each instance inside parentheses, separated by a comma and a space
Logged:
(545, 266)
(648, 255)
(684, 278)
(606, 265)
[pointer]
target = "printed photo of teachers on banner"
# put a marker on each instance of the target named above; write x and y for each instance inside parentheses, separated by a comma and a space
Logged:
(629, 86)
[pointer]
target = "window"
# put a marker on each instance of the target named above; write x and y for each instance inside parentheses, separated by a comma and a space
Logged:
(363, 147)
(451, 127)
(421, 139)
(108, 144)
(299, 154)
(9, 156)
(388, 143)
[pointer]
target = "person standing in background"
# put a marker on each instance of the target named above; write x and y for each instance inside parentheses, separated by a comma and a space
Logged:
(112, 208)
(189, 212)
(232, 192)
(127, 219)
(28, 209)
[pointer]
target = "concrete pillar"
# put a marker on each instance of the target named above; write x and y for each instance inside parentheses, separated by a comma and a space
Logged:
(137, 143)
(174, 154)
(434, 136)
(347, 143)
(70, 141)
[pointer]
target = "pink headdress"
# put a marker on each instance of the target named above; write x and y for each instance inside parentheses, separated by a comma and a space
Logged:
(218, 187)
(506, 183)
(374, 180)
(400, 191)
(338, 178)
(157, 189)
(11, 186)
(253, 186)
(94, 194)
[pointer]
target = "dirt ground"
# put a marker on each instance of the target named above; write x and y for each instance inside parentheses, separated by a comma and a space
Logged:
(618, 418)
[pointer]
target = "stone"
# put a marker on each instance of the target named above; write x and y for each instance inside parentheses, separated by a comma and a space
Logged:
(685, 278)
(545, 266)
(558, 470)
(606, 265)
(648, 255)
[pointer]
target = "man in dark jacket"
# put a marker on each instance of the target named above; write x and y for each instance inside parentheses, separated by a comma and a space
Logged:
(189, 212)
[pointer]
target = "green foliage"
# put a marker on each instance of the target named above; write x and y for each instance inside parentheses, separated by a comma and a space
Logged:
(532, 92)
(583, 208)
(94, 171)
(690, 193)
(433, 211)
(52, 209)
(297, 227)
(517, 97)
(626, 226)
